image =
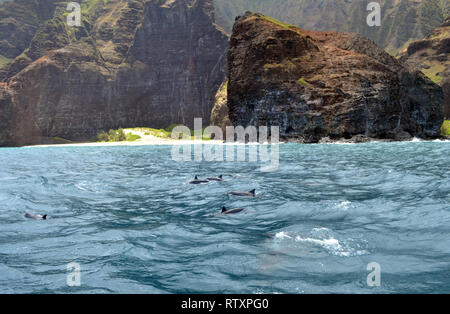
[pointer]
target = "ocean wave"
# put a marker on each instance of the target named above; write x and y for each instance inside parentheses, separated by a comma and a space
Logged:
(332, 245)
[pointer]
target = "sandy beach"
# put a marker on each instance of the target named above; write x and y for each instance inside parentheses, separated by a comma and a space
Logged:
(145, 139)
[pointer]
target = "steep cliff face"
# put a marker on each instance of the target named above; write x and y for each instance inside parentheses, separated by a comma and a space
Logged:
(432, 56)
(402, 20)
(446, 90)
(131, 63)
(325, 84)
(19, 21)
(189, 53)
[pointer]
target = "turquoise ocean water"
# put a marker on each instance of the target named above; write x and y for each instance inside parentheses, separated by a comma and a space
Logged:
(128, 217)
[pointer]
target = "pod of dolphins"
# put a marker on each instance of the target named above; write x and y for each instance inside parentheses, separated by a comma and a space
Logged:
(225, 211)
(199, 181)
(196, 180)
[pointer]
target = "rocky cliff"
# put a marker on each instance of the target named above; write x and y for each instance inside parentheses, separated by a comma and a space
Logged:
(131, 63)
(401, 20)
(219, 113)
(446, 90)
(432, 56)
(316, 85)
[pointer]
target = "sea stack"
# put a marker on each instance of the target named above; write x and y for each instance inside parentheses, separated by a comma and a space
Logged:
(317, 85)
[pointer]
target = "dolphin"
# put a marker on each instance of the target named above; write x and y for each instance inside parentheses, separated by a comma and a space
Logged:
(219, 178)
(252, 193)
(198, 181)
(33, 216)
(231, 211)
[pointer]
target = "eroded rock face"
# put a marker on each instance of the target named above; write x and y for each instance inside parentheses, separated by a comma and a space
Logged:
(325, 84)
(432, 56)
(19, 21)
(141, 63)
(446, 90)
(5, 113)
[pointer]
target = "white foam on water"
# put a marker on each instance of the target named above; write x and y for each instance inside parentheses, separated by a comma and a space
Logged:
(282, 235)
(326, 241)
(82, 185)
(332, 245)
(344, 205)
(341, 143)
(87, 186)
(441, 141)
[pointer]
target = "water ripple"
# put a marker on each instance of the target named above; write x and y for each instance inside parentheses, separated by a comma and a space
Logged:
(129, 217)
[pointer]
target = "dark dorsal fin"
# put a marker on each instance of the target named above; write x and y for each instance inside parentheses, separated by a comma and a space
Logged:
(224, 209)
(253, 191)
(220, 177)
(196, 178)
(44, 217)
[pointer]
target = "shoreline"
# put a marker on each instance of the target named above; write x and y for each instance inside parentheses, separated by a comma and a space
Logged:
(154, 137)
(171, 142)
(161, 142)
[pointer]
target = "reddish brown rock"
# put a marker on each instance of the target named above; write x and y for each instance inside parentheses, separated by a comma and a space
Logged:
(325, 84)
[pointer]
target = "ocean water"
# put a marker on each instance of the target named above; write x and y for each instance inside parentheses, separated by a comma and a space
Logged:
(128, 217)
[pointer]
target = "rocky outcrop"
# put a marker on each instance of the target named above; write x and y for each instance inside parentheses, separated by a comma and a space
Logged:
(131, 63)
(432, 56)
(325, 84)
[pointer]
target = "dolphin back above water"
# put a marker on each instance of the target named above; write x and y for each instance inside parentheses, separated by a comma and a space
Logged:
(219, 178)
(198, 181)
(251, 193)
(33, 216)
(226, 211)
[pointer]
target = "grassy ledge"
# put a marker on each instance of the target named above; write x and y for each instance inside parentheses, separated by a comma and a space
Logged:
(281, 24)
(445, 129)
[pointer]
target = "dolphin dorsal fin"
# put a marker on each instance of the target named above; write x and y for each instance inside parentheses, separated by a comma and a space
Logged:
(196, 178)
(220, 177)
(253, 191)
(224, 209)
(44, 217)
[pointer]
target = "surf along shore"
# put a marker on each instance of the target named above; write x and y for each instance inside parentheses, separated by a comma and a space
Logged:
(148, 136)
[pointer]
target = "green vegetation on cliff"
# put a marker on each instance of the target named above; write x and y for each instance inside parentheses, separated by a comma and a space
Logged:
(302, 81)
(134, 134)
(402, 20)
(281, 24)
(19, 22)
(434, 72)
(117, 136)
(445, 130)
(4, 61)
(112, 136)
